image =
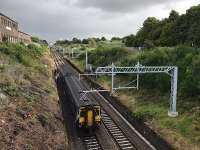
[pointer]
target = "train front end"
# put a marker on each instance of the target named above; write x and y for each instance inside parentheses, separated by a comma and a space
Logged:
(89, 117)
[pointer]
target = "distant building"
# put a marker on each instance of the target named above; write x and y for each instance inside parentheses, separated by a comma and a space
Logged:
(9, 31)
(24, 37)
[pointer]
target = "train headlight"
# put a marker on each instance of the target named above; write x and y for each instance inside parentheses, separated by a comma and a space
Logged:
(81, 120)
(97, 118)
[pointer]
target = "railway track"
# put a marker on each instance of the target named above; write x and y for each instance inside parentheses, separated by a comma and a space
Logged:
(118, 135)
(116, 132)
(91, 142)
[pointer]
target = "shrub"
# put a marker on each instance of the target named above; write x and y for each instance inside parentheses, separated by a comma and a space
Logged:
(186, 58)
(35, 39)
(27, 55)
(105, 56)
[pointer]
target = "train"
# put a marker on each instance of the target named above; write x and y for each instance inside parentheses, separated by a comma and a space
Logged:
(86, 111)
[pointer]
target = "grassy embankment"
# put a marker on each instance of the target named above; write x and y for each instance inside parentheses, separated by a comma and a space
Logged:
(151, 102)
(29, 112)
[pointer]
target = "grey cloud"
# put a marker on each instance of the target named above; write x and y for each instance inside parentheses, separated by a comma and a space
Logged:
(120, 5)
(55, 19)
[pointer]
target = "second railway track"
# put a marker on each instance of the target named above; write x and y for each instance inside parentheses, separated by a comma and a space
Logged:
(120, 138)
(119, 130)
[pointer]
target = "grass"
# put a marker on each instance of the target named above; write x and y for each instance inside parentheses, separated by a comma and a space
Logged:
(153, 108)
(111, 44)
(21, 67)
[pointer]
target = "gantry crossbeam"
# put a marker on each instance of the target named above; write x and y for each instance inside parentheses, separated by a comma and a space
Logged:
(136, 70)
(139, 69)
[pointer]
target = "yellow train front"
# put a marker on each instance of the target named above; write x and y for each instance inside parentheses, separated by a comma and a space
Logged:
(89, 116)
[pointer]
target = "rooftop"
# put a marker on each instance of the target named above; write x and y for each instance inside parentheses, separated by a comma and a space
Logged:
(24, 33)
(1, 14)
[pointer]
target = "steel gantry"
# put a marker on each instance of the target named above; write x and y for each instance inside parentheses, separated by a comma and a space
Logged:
(139, 69)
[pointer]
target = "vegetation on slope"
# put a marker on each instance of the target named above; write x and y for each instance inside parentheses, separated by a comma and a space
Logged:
(186, 58)
(28, 100)
(39, 41)
(104, 55)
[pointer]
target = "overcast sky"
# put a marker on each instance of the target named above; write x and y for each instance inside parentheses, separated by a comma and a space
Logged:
(64, 19)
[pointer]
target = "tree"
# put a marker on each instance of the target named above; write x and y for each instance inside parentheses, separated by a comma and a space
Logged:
(44, 42)
(174, 15)
(194, 35)
(62, 42)
(174, 30)
(115, 39)
(76, 41)
(97, 39)
(167, 35)
(130, 41)
(35, 39)
(85, 41)
(193, 21)
(147, 31)
(103, 39)
(148, 44)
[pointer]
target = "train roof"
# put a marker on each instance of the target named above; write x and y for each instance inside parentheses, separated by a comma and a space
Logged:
(76, 87)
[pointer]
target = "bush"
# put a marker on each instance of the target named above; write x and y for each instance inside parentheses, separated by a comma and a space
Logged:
(149, 44)
(186, 58)
(105, 56)
(27, 55)
(36, 50)
(35, 39)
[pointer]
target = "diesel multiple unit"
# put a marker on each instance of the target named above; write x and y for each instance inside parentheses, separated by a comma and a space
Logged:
(86, 111)
(9, 31)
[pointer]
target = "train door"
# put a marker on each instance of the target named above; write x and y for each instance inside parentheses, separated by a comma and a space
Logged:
(90, 118)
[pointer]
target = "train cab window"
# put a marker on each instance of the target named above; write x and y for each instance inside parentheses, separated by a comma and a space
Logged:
(97, 110)
(81, 112)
